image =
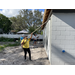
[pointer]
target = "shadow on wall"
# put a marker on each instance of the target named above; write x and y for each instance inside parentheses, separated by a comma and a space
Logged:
(46, 42)
(47, 50)
(68, 18)
(65, 57)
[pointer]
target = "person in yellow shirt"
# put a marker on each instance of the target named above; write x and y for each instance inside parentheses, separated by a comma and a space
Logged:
(25, 46)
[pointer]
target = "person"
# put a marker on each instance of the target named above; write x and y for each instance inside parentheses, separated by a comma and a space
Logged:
(21, 38)
(25, 43)
(35, 39)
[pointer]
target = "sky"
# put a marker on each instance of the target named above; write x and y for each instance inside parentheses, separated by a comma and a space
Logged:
(14, 12)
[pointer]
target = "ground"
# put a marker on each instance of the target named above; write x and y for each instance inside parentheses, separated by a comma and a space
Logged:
(15, 55)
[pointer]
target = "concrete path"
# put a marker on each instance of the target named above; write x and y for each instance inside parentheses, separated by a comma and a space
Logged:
(15, 56)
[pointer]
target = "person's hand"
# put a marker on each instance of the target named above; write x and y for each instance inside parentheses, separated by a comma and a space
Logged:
(31, 33)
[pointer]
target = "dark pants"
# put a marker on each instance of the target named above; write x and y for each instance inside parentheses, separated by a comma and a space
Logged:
(29, 52)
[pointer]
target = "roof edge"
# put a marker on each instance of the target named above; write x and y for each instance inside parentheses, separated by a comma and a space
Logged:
(46, 14)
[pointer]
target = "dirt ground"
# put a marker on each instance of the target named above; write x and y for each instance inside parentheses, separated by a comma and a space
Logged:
(15, 56)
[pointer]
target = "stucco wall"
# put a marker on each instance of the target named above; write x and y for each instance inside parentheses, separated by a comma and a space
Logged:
(63, 38)
(46, 39)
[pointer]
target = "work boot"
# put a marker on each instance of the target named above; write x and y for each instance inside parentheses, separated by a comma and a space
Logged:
(30, 60)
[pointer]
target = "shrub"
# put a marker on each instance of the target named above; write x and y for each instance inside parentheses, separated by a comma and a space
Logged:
(1, 48)
(41, 32)
(9, 45)
(3, 39)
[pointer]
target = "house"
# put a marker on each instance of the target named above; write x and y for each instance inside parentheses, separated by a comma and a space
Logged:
(59, 36)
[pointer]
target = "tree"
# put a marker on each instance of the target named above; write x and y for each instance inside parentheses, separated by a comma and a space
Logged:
(27, 19)
(31, 29)
(13, 20)
(1, 31)
(17, 23)
(5, 24)
(31, 18)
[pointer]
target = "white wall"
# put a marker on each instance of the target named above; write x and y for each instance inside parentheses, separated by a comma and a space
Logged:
(46, 39)
(63, 38)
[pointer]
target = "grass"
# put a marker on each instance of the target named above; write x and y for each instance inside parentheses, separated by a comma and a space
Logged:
(9, 45)
(1, 48)
(3, 39)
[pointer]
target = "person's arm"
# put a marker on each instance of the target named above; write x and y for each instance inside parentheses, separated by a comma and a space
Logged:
(31, 35)
(23, 41)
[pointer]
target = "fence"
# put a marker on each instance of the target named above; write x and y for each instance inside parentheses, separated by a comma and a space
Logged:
(19, 35)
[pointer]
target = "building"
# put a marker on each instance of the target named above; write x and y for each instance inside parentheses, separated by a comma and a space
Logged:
(59, 35)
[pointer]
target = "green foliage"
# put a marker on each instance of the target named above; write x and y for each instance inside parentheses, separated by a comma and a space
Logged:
(41, 32)
(26, 19)
(9, 45)
(1, 48)
(5, 24)
(33, 28)
(3, 39)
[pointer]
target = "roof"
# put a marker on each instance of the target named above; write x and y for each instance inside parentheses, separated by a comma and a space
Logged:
(46, 14)
(47, 11)
(23, 31)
